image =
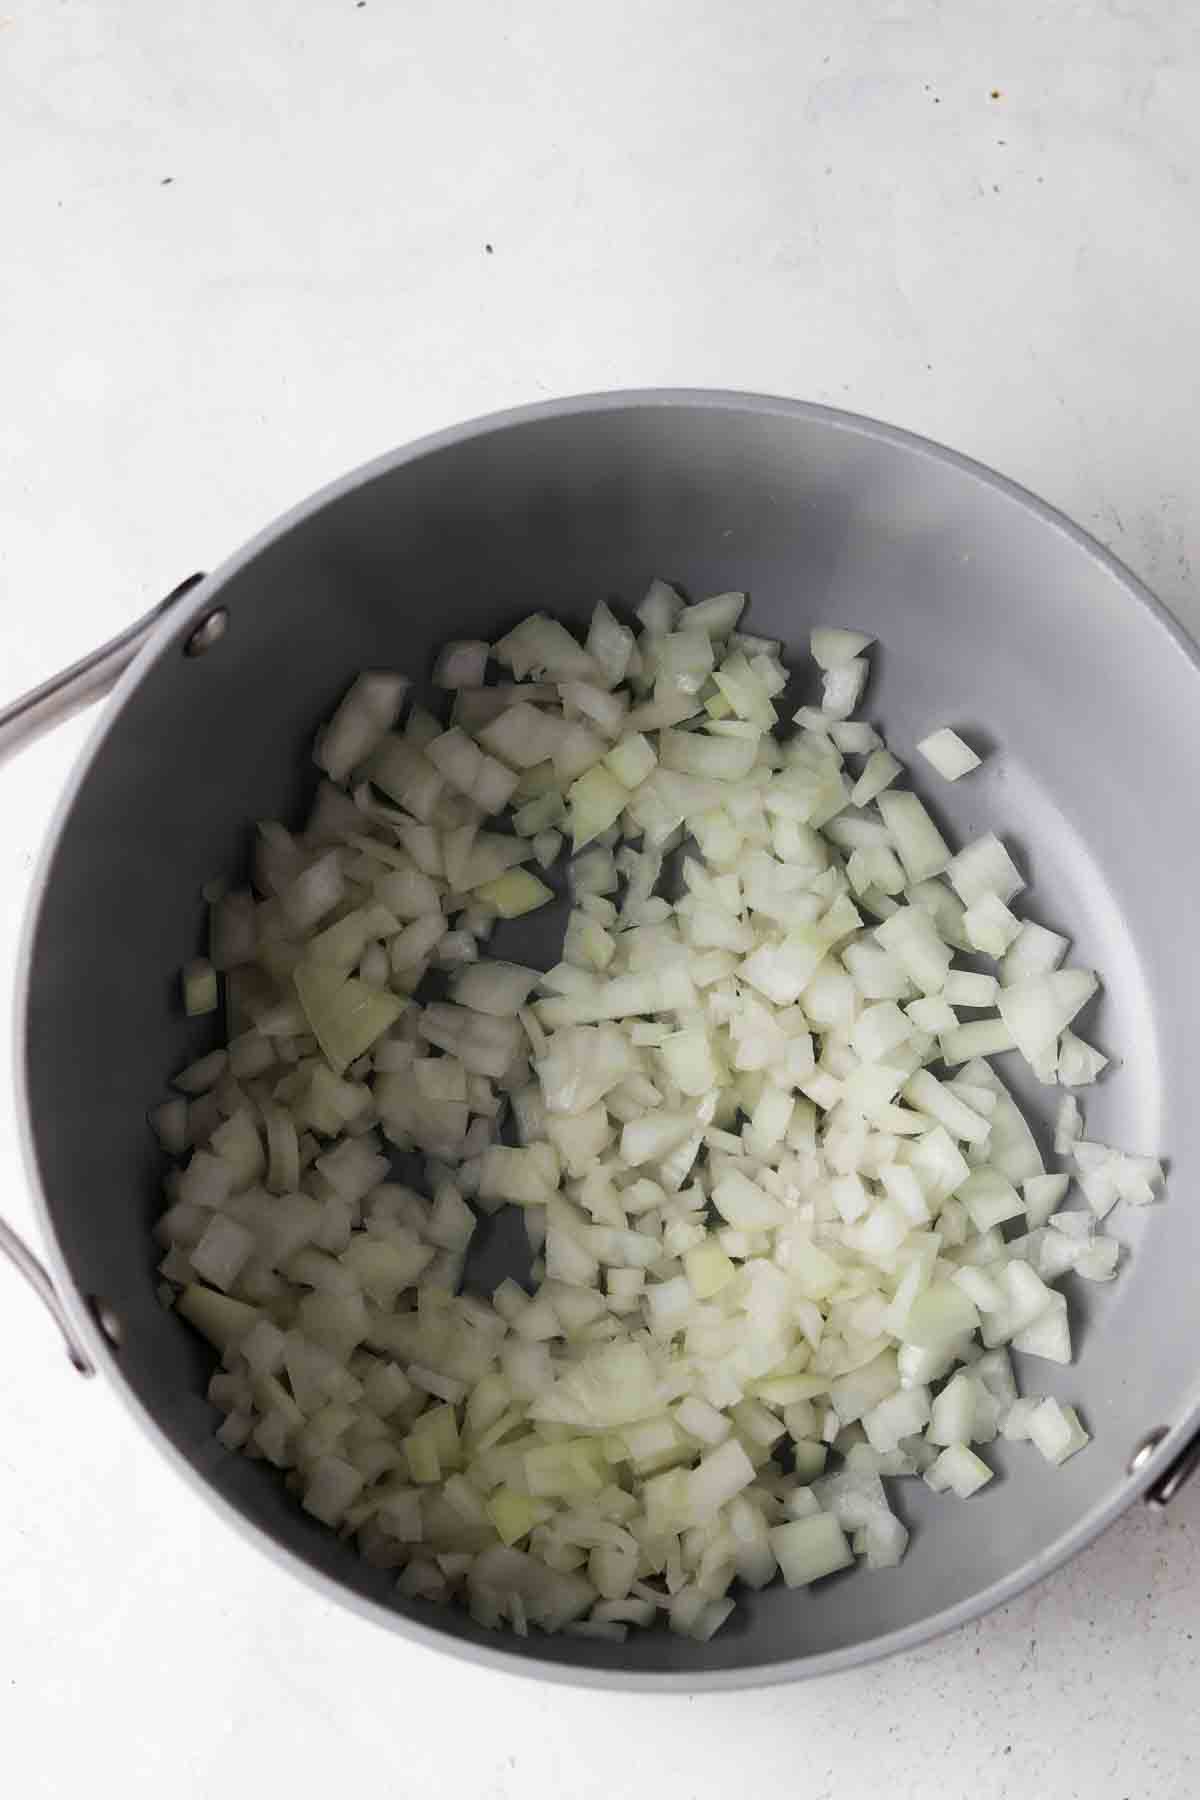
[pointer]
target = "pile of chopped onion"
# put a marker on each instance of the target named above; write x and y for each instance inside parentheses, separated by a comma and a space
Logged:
(785, 1221)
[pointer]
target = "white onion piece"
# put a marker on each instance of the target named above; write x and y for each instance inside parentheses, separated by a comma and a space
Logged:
(499, 989)
(1032, 951)
(880, 771)
(1056, 1431)
(984, 867)
(833, 648)
(842, 688)
(959, 1469)
(610, 645)
(522, 735)
(461, 665)
(946, 752)
(1036, 1011)
(1078, 1063)
(200, 992)
(366, 714)
(717, 615)
(541, 646)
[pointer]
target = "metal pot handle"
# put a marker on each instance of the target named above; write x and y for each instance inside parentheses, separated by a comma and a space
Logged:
(21, 723)
(87, 680)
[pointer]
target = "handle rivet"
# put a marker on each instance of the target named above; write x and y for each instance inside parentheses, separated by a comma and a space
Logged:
(209, 631)
(1146, 1448)
(108, 1321)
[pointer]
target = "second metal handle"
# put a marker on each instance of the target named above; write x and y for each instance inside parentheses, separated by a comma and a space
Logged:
(21, 723)
(86, 681)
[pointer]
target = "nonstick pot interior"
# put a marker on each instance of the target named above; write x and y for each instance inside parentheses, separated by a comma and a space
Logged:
(992, 615)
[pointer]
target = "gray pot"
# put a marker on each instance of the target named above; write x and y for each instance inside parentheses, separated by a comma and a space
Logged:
(993, 612)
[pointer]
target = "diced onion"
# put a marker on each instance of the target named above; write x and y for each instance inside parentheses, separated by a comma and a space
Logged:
(785, 1222)
(461, 665)
(833, 647)
(200, 994)
(946, 752)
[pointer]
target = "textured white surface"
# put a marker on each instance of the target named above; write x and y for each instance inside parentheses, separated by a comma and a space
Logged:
(244, 249)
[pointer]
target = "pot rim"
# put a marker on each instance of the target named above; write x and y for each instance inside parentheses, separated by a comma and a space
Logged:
(174, 629)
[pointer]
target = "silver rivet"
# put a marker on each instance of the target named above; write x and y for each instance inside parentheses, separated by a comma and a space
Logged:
(209, 631)
(1146, 1449)
(108, 1321)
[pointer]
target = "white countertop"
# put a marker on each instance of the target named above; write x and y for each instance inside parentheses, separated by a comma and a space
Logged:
(247, 247)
